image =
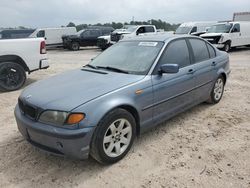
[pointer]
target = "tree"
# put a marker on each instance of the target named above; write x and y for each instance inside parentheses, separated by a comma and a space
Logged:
(71, 24)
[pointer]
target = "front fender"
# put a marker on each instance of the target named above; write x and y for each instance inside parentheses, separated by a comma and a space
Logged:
(96, 109)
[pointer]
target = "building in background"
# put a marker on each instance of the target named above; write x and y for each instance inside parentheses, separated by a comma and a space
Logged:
(241, 16)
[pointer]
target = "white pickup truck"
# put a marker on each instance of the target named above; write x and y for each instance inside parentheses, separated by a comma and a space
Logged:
(127, 31)
(18, 56)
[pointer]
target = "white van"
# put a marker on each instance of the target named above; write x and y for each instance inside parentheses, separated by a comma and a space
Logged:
(194, 28)
(53, 36)
(229, 34)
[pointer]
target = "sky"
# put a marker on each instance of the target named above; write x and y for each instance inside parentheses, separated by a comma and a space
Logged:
(55, 13)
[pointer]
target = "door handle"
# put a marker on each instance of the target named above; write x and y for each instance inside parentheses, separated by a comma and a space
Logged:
(214, 63)
(191, 71)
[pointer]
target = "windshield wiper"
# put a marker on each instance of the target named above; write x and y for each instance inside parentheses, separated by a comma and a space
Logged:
(113, 69)
(91, 66)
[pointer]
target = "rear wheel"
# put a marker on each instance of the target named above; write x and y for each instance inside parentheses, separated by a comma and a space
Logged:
(12, 76)
(113, 137)
(217, 91)
(75, 46)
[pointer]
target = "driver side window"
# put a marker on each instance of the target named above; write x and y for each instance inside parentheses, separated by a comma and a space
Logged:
(40, 34)
(194, 29)
(140, 30)
(236, 28)
(175, 53)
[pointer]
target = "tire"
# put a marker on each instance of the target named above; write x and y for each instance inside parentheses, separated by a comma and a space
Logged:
(12, 76)
(113, 137)
(217, 91)
(75, 46)
(227, 46)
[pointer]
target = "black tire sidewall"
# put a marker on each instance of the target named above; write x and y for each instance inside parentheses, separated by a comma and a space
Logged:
(101, 130)
(72, 46)
(212, 95)
(225, 46)
(18, 68)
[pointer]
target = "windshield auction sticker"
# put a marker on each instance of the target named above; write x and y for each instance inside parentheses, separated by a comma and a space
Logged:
(148, 44)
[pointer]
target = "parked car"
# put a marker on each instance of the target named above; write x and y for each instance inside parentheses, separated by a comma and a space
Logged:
(15, 33)
(86, 37)
(53, 36)
(129, 88)
(130, 31)
(229, 34)
(18, 56)
(103, 42)
(194, 28)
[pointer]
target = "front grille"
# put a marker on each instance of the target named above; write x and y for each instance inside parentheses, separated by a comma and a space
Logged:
(115, 37)
(212, 40)
(27, 110)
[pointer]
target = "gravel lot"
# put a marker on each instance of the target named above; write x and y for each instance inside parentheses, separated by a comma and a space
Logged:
(207, 146)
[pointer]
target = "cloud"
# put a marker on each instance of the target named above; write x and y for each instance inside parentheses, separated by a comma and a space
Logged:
(52, 13)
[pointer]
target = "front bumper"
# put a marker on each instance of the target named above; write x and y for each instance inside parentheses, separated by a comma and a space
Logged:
(66, 142)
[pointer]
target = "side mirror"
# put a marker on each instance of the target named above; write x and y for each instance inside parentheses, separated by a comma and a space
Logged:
(169, 68)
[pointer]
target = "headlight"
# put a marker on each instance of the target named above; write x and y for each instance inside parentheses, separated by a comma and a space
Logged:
(60, 118)
(221, 39)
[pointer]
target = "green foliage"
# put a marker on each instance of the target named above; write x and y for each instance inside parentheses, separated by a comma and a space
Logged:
(117, 25)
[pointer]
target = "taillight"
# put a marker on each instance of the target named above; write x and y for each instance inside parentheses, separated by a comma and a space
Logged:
(43, 48)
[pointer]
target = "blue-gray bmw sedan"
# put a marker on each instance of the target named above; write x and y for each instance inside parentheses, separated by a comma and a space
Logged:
(134, 85)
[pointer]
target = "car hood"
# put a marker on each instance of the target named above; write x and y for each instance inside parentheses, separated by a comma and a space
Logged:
(211, 35)
(121, 32)
(71, 89)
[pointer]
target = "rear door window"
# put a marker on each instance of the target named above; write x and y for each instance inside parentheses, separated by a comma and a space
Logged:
(211, 51)
(199, 49)
(149, 29)
(94, 33)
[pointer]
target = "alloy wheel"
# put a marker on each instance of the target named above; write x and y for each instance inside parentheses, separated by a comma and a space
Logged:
(117, 138)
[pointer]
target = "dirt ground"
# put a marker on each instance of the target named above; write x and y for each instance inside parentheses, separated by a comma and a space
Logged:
(207, 146)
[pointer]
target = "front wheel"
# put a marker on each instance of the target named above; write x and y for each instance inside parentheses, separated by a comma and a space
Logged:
(12, 76)
(227, 47)
(113, 136)
(217, 91)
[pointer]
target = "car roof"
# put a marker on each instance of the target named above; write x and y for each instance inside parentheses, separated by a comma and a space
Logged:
(161, 37)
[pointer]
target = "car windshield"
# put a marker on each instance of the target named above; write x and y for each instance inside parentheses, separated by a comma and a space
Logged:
(220, 28)
(183, 30)
(133, 57)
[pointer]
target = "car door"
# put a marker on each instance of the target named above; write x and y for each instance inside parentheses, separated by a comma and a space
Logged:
(204, 61)
(173, 92)
(84, 38)
(235, 35)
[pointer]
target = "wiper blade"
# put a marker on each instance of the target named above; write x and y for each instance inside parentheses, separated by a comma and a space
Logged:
(113, 69)
(91, 66)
